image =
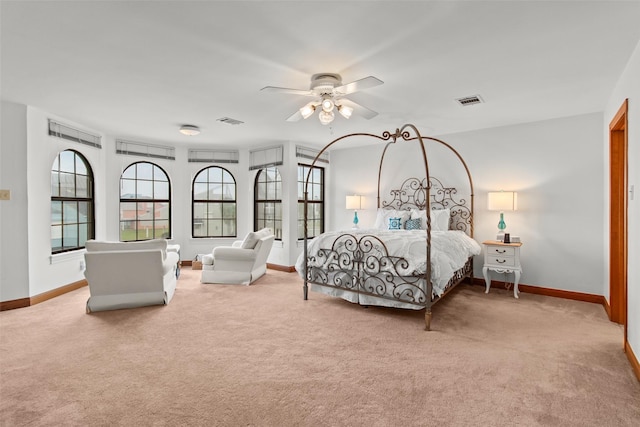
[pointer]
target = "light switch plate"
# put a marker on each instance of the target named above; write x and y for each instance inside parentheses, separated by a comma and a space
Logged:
(5, 194)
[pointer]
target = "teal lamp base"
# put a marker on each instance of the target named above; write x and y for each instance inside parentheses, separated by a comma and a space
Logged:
(355, 220)
(501, 224)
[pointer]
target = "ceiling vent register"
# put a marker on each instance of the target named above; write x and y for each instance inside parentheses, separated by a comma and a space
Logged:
(229, 121)
(470, 100)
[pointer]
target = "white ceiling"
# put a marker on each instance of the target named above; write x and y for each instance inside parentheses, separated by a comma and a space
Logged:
(138, 70)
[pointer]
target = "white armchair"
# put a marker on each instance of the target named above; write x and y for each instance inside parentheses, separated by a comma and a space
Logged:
(242, 263)
(129, 274)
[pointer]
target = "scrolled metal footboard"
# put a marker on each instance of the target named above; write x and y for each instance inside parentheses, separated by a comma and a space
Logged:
(362, 264)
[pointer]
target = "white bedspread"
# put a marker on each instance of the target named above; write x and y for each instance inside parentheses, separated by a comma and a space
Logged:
(449, 251)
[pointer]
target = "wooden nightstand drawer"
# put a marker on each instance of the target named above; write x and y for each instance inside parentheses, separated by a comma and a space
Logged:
(500, 251)
(501, 261)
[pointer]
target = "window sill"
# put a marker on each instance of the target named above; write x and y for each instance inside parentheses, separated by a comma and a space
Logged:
(66, 256)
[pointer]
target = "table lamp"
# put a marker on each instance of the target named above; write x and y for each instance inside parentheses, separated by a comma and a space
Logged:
(502, 201)
(354, 202)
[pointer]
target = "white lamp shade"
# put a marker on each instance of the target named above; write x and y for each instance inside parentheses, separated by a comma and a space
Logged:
(354, 202)
(307, 110)
(502, 201)
(345, 111)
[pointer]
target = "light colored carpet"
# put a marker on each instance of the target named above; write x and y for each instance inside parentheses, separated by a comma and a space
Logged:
(261, 356)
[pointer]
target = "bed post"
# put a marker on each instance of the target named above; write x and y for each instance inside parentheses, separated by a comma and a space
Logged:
(427, 319)
(305, 287)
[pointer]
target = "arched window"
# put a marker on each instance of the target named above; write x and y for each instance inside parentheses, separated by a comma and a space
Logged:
(72, 219)
(145, 203)
(268, 201)
(214, 203)
(315, 202)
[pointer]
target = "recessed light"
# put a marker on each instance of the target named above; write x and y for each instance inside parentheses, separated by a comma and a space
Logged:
(189, 130)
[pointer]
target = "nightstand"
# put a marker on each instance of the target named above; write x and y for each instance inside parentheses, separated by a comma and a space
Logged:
(502, 258)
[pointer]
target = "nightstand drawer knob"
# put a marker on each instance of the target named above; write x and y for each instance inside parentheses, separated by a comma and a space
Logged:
(501, 261)
(500, 251)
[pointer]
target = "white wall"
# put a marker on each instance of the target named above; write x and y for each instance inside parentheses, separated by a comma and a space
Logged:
(27, 152)
(556, 168)
(628, 86)
(47, 272)
(14, 277)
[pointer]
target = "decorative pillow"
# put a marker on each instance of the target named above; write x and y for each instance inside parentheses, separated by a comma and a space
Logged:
(382, 219)
(395, 224)
(413, 224)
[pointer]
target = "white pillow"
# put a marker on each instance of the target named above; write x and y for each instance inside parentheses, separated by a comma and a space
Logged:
(441, 222)
(382, 219)
(439, 218)
(250, 241)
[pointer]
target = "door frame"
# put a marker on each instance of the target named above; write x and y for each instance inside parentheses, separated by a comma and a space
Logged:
(618, 221)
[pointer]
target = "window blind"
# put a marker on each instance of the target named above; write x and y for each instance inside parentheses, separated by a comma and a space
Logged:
(213, 156)
(63, 131)
(266, 157)
(143, 149)
(310, 153)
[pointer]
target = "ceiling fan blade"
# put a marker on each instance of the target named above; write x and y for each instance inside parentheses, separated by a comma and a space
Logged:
(287, 90)
(295, 116)
(358, 109)
(357, 85)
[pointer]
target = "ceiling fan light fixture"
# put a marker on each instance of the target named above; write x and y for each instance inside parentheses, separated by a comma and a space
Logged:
(345, 111)
(307, 111)
(327, 104)
(326, 117)
(189, 130)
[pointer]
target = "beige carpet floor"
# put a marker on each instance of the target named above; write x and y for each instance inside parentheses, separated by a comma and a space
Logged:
(261, 356)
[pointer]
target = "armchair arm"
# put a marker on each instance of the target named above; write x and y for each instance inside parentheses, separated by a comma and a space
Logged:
(170, 262)
(239, 254)
(226, 258)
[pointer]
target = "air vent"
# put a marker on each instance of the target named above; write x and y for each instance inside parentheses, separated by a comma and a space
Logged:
(470, 100)
(229, 121)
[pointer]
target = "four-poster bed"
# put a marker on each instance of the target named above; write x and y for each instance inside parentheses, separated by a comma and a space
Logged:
(427, 251)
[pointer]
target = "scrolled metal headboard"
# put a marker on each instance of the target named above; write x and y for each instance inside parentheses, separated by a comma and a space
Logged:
(412, 194)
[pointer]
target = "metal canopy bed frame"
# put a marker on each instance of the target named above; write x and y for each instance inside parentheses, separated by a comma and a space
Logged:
(361, 264)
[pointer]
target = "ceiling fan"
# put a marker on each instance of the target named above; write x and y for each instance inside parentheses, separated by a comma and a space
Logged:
(329, 94)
